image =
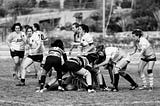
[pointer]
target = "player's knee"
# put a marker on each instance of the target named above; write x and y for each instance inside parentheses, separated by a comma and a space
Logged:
(44, 72)
(149, 71)
(116, 70)
(98, 72)
(23, 67)
(87, 73)
(122, 73)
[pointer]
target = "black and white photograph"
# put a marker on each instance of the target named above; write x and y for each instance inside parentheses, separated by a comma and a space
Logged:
(79, 52)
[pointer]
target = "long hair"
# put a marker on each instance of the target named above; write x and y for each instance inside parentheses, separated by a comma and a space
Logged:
(101, 58)
(58, 43)
(37, 26)
(138, 32)
(14, 25)
(84, 27)
(92, 57)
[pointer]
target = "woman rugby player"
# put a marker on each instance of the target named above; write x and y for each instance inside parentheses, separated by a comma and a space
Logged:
(56, 57)
(119, 59)
(16, 42)
(35, 54)
(147, 55)
(86, 42)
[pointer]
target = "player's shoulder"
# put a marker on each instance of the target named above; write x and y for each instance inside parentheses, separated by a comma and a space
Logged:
(111, 49)
(143, 40)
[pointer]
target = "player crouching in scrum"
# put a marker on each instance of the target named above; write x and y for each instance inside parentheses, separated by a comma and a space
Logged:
(79, 66)
(119, 59)
(55, 58)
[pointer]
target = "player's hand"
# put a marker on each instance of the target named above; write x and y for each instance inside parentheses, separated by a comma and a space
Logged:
(95, 66)
(139, 73)
(131, 54)
(12, 49)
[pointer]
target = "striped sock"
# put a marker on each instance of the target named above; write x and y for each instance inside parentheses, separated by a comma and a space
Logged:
(144, 79)
(150, 77)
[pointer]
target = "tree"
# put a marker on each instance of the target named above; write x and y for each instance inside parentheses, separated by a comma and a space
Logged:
(147, 9)
(80, 3)
(18, 7)
(3, 12)
(31, 3)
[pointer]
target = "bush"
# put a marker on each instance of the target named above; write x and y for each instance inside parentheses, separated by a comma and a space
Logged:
(25, 11)
(43, 4)
(126, 4)
(3, 12)
(68, 26)
(31, 3)
(55, 5)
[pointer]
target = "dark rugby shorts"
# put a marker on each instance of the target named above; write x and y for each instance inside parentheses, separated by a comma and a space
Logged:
(14, 53)
(36, 58)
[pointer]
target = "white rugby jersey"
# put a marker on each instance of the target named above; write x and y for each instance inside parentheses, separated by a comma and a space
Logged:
(41, 35)
(87, 43)
(146, 48)
(35, 45)
(17, 40)
(115, 54)
(86, 39)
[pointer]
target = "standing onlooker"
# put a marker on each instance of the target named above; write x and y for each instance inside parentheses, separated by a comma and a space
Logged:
(37, 32)
(87, 42)
(77, 37)
(16, 42)
(147, 55)
(35, 54)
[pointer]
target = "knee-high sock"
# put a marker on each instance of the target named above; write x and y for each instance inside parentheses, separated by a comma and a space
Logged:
(116, 80)
(43, 79)
(150, 78)
(144, 79)
(128, 78)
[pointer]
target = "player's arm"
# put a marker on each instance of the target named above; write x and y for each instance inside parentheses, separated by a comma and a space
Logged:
(24, 37)
(90, 48)
(38, 46)
(64, 56)
(135, 49)
(44, 36)
(143, 48)
(103, 63)
(8, 41)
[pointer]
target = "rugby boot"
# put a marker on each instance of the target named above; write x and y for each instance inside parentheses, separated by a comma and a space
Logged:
(20, 84)
(114, 90)
(143, 87)
(150, 89)
(91, 91)
(60, 88)
(133, 87)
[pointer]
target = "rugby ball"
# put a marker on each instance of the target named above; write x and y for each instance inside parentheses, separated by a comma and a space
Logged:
(70, 87)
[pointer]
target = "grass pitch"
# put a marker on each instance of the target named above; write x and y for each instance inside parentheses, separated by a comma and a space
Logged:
(11, 95)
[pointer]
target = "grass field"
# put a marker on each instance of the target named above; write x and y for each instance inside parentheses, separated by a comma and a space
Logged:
(11, 95)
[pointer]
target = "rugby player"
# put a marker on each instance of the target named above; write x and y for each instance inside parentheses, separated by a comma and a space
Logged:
(56, 58)
(147, 58)
(87, 42)
(35, 53)
(16, 42)
(77, 37)
(119, 59)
